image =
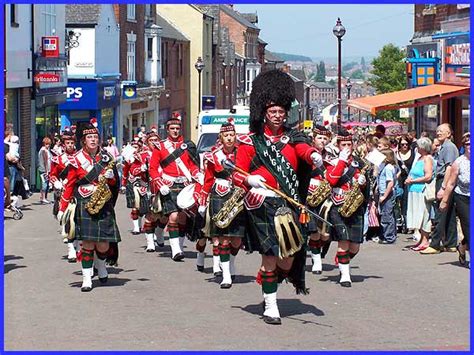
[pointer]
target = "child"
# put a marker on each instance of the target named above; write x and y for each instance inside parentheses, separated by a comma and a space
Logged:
(387, 180)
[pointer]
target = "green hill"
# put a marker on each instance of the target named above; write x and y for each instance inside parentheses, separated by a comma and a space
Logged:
(293, 57)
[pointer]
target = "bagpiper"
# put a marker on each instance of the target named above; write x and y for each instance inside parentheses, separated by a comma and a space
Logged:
(225, 203)
(60, 165)
(318, 200)
(347, 212)
(267, 161)
(173, 166)
(89, 200)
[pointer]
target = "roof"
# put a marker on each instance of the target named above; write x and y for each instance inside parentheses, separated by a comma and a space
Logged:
(408, 98)
(168, 30)
(322, 85)
(237, 16)
(261, 41)
(82, 14)
(271, 57)
(250, 17)
(299, 73)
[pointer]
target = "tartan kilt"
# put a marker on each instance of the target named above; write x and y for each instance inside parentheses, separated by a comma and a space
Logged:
(350, 229)
(169, 202)
(261, 226)
(312, 226)
(101, 227)
(236, 228)
(194, 224)
(144, 200)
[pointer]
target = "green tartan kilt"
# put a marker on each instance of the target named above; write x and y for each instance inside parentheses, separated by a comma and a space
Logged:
(101, 227)
(144, 200)
(261, 226)
(236, 228)
(351, 228)
(169, 202)
(312, 226)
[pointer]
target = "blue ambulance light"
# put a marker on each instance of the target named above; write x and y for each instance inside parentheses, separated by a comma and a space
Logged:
(206, 119)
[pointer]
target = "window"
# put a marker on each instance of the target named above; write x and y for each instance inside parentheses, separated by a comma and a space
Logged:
(148, 8)
(131, 12)
(149, 48)
(131, 60)
(164, 64)
(180, 60)
(13, 15)
(48, 13)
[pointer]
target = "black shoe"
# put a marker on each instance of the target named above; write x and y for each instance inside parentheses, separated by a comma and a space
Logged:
(103, 280)
(385, 242)
(72, 260)
(346, 284)
(218, 274)
(86, 289)
(136, 233)
(318, 272)
(200, 268)
(178, 257)
(161, 245)
(232, 277)
(150, 250)
(272, 320)
(226, 285)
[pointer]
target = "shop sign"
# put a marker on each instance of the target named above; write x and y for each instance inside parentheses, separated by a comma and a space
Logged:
(129, 90)
(47, 78)
(109, 92)
(208, 102)
(50, 46)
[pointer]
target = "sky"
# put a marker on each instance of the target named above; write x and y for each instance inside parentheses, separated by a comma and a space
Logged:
(307, 29)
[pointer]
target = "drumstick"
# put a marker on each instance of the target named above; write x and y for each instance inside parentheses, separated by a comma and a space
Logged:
(231, 165)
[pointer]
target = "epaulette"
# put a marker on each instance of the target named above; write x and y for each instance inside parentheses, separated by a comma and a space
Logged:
(157, 144)
(72, 159)
(245, 139)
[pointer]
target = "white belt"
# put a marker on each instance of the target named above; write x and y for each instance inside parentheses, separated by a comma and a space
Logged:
(263, 192)
(175, 179)
(222, 182)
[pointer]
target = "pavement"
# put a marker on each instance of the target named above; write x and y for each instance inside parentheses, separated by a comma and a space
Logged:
(399, 300)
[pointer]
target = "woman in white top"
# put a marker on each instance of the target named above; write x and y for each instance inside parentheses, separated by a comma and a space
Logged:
(459, 182)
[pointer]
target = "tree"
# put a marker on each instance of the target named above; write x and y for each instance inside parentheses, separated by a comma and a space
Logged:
(389, 75)
(320, 72)
(357, 74)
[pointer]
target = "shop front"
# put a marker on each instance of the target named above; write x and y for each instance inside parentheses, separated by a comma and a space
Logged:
(87, 99)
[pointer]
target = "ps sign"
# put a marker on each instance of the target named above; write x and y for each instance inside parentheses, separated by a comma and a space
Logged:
(73, 94)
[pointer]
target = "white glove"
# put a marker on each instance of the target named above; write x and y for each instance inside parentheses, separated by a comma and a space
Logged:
(58, 185)
(165, 190)
(317, 159)
(143, 167)
(199, 177)
(256, 181)
(109, 174)
(361, 180)
(202, 210)
(345, 154)
(59, 216)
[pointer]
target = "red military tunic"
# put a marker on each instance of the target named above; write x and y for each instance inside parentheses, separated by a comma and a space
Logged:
(246, 152)
(59, 163)
(133, 171)
(166, 175)
(81, 163)
(334, 172)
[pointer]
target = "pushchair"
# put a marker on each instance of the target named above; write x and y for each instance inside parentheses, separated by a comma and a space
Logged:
(11, 209)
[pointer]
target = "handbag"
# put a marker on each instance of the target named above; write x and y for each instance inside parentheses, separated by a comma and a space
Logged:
(430, 191)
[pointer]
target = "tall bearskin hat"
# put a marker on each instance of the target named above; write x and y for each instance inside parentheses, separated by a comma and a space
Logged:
(321, 130)
(228, 126)
(89, 128)
(343, 136)
(174, 119)
(270, 88)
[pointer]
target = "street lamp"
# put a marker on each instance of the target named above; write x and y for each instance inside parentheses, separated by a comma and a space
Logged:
(231, 83)
(199, 65)
(339, 31)
(349, 87)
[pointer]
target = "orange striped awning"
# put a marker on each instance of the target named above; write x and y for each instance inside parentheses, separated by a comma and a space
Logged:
(422, 95)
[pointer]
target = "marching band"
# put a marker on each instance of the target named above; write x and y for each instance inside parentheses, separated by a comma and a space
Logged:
(255, 192)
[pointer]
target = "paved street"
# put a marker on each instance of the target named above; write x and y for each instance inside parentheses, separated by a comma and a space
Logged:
(399, 300)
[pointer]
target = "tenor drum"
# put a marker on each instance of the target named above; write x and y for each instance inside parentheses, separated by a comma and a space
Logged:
(185, 199)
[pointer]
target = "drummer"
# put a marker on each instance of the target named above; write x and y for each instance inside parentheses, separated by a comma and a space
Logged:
(216, 191)
(178, 162)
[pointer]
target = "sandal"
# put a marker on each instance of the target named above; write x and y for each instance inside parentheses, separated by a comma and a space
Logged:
(420, 248)
(462, 256)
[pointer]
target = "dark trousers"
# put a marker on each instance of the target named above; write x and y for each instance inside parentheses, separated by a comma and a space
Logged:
(387, 219)
(462, 210)
(445, 223)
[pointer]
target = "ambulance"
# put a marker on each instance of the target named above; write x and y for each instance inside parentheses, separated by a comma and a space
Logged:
(210, 121)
